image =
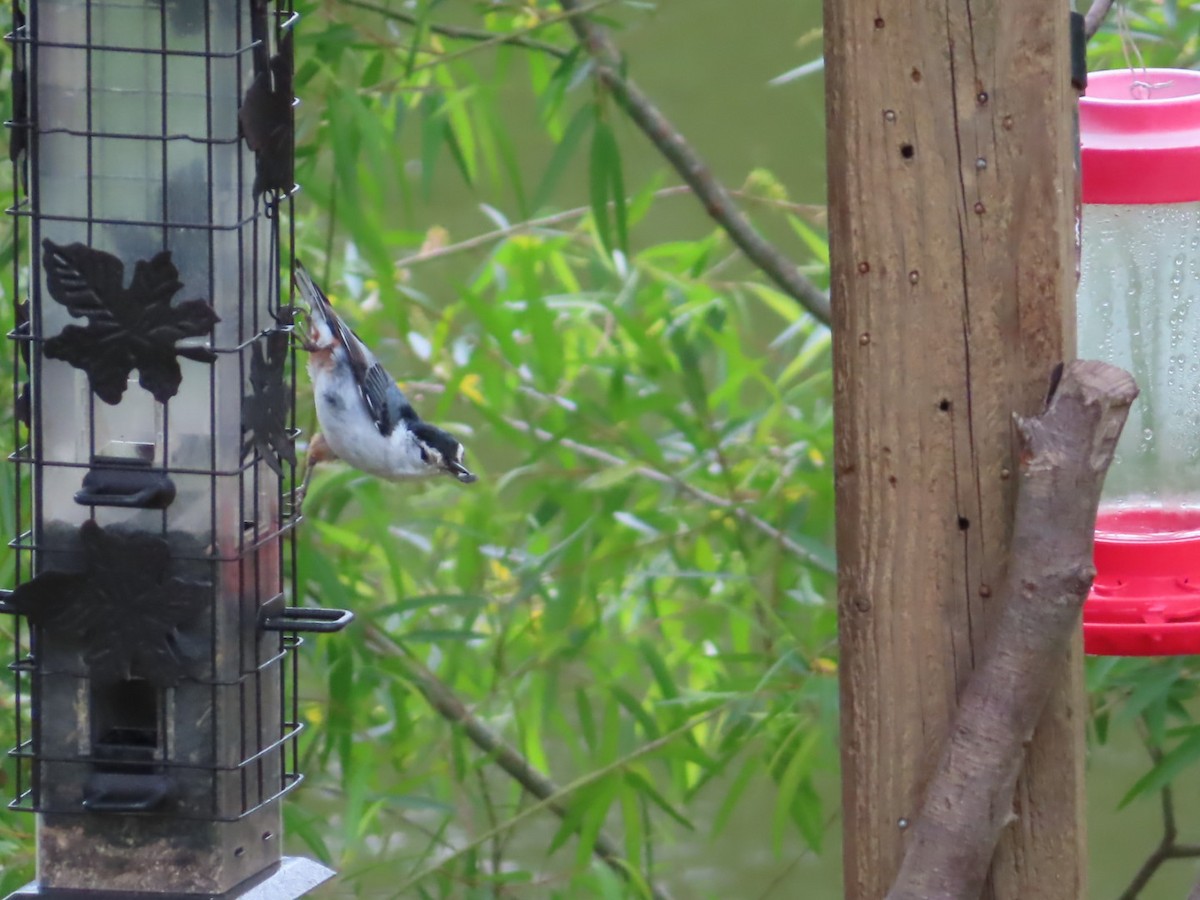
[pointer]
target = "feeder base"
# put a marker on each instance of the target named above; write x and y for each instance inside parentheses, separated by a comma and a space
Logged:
(293, 877)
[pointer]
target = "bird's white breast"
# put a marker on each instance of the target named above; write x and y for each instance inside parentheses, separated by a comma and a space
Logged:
(350, 431)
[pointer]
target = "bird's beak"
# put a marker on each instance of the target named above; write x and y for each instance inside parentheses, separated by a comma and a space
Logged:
(461, 472)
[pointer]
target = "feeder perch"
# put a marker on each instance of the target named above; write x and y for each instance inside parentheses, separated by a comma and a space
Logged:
(154, 671)
(1139, 308)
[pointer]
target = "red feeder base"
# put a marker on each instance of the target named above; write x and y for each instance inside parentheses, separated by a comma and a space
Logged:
(1146, 597)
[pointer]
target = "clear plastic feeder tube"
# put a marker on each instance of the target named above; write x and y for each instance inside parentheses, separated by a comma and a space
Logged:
(1139, 292)
(1139, 308)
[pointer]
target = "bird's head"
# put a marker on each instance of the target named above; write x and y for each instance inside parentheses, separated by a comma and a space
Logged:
(441, 451)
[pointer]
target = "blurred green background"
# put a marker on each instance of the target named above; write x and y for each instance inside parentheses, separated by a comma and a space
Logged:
(638, 592)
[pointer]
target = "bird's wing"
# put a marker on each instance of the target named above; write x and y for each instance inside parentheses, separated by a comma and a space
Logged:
(385, 401)
(320, 307)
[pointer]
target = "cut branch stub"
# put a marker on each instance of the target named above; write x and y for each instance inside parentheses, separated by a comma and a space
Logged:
(1065, 454)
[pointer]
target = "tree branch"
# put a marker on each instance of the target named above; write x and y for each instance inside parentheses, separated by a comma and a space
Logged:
(811, 212)
(1167, 848)
(1095, 17)
(448, 705)
(738, 512)
(690, 166)
(456, 32)
(1064, 454)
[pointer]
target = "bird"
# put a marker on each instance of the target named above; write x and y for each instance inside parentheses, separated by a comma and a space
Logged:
(365, 419)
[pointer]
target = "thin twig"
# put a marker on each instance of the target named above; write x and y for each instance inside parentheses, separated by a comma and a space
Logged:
(495, 40)
(738, 512)
(480, 35)
(808, 211)
(1167, 848)
(690, 166)
(1095, 17)
(450, 707)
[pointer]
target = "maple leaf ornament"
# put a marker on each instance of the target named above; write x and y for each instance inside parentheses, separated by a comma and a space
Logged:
(128, 608)
(265, 409)
(128, 328)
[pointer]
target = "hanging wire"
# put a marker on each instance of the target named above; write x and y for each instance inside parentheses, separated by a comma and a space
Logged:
(1139, 88)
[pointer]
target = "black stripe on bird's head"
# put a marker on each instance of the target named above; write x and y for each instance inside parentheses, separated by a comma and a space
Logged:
(442, 450)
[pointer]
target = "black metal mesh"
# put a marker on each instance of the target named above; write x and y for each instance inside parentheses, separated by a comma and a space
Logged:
(153, 668)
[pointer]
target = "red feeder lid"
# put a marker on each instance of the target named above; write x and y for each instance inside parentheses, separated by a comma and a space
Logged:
(1145, 600)
(1140, 136)
(1108, 639)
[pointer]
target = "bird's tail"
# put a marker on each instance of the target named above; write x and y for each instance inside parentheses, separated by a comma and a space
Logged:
(324, 325)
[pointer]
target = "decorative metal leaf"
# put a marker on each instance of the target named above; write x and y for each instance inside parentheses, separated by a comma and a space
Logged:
(130, 615)
(21, 329)
(265, 409)
(18, 136)
(134, 328)
(266, 121)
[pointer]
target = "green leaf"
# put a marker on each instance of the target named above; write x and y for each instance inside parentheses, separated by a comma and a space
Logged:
(594, 816)
(647, 789)
(1152, 686)
(1183, 755)
(583, 120)
(788, 792)
(604, 178)
(733, 795)
(635, 708)
(587, 720)
(817, 243)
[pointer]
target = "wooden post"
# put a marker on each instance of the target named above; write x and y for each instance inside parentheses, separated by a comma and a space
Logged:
(951, 208)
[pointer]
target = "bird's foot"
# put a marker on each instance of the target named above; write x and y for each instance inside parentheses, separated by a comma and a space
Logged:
(319, 451)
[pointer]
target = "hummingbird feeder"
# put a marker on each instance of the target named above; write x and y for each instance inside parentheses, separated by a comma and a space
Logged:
(1139, 308)
(153, 672)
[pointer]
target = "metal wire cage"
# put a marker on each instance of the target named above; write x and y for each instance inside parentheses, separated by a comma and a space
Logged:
(153, 672)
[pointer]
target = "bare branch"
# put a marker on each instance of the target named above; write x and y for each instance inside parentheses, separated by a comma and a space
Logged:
(811, 212)
(450, 707)
(479, 35)
(1167, 848)
(741, 513)
(762, 526)
(691, 167)
(1065, 453)
(494, 39)
(1095, 17)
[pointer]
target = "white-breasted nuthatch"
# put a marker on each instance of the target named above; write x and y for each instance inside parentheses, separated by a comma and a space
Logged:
(365, 419)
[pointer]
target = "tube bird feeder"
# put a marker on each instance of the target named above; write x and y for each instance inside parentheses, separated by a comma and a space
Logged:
(154, 668)
(1139, 308)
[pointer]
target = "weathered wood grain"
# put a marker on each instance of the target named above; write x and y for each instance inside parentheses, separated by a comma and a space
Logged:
(951, 209)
